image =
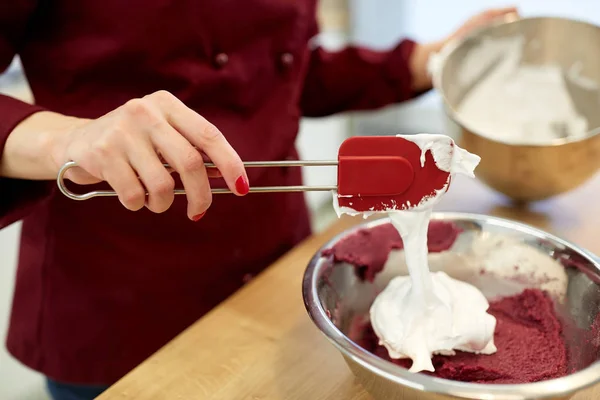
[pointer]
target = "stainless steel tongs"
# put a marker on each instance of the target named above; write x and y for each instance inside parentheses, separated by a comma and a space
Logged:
(249, 164)
(373, 173)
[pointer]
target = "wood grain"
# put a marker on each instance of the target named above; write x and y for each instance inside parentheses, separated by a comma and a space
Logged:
(260, 343)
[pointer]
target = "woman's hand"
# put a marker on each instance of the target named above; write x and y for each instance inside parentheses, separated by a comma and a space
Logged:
(131, 142)
(421, 53)
(481, 20)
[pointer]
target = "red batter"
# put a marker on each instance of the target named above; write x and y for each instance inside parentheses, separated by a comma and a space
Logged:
(528, 332)
(528, 337)
(368, 249)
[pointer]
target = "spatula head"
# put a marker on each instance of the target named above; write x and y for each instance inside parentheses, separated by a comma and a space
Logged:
(378, 173)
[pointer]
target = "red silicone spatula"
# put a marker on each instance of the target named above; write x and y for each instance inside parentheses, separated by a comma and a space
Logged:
(375, 173)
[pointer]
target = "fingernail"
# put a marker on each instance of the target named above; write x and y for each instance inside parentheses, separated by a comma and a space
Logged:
(197, 217)
(242, 186)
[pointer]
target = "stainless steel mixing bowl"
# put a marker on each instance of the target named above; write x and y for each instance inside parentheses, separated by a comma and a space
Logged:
(333, 296)
(530, 172)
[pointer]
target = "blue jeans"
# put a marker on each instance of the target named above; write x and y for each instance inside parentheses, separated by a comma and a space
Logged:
(67, 391)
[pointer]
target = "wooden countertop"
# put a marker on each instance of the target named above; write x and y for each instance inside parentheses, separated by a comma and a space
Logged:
(260, 343)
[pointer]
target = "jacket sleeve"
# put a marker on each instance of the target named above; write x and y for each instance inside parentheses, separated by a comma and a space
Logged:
(356, 78)
(17, 197)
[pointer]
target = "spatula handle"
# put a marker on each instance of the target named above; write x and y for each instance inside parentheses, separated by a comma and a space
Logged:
(60, 180)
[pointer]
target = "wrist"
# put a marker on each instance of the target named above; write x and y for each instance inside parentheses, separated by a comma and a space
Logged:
(421, 80)
(33, 148)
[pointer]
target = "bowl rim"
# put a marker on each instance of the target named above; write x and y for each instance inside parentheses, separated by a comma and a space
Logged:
(550, 388)
(452, 46)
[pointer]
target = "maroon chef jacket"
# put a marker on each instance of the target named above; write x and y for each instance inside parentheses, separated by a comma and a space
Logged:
(100, 288)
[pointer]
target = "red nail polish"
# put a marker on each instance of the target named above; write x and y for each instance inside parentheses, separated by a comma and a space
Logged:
(197, 217)
(241, 185)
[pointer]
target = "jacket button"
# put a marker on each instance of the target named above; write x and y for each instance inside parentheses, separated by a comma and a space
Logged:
(221, 60)
(287, 59)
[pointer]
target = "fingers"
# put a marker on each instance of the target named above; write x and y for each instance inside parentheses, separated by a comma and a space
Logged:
(155, 178)
(81, 176)
(482, 19)
(188, 162)
(121, 177)
(505, 11)
(211, 172)
(204, 135)
(496, 13)
(99, 161)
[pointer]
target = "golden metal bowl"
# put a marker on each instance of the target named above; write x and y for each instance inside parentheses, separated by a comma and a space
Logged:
(530, 172)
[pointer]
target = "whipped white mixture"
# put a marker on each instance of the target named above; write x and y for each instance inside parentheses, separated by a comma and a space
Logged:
(423, 314)
(519, 103)
(498, 265)
(507, 266)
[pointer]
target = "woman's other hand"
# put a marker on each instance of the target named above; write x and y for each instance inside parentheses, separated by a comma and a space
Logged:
(125, 148)
(421, 53)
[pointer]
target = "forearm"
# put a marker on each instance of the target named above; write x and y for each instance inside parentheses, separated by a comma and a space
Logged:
(357, 78)
(29, 149)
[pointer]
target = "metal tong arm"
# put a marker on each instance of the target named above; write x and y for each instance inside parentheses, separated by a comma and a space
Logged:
(60, 180)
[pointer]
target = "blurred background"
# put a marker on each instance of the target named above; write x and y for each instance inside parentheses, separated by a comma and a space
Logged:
(376, 23)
